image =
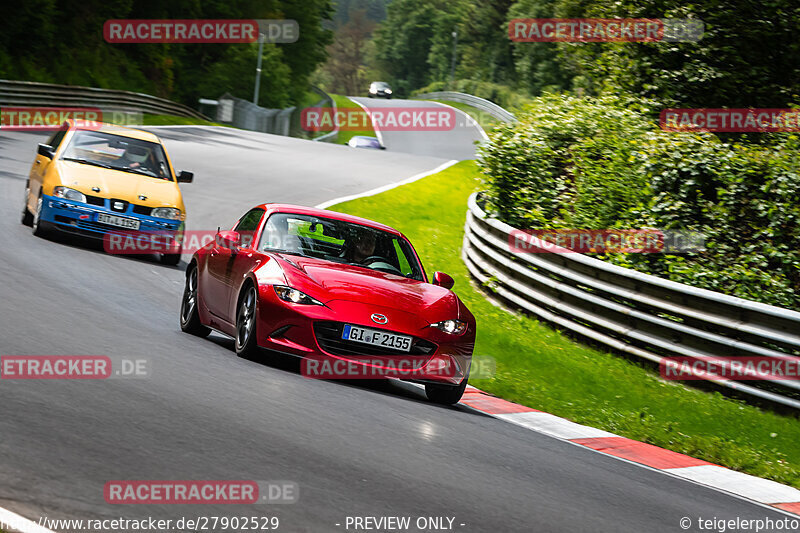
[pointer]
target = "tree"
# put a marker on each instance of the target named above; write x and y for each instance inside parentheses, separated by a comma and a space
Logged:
(749, 55)
(61, 41)
(346, 67)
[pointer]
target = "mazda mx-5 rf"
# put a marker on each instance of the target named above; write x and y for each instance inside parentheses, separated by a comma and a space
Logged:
(343, 292)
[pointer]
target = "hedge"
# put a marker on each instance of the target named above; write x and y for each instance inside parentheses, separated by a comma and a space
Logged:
(597, 163)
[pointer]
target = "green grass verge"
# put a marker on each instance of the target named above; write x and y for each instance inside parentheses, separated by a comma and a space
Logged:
(541, 368)
(343, 102)
(485, 120)
(169, 120)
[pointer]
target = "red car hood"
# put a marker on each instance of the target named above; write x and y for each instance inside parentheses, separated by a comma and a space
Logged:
(329, 281)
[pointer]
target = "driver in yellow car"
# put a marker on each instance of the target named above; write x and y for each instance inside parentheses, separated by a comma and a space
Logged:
(136, 157)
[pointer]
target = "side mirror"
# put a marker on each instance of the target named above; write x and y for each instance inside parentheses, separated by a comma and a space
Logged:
(184, 176)
(443, 280)
(46, 150)
(230, 240)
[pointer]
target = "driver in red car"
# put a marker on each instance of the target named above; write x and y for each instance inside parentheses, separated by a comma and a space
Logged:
(362, 248)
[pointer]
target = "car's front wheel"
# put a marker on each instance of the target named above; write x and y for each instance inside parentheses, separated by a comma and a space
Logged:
(27, 218)
(39, 226)
(246, 342)
(446, 394)
(190, 317)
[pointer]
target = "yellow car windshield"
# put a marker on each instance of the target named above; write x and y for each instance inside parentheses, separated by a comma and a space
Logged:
(119, 153)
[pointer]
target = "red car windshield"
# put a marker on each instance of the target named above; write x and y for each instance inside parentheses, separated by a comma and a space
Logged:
(340, 242)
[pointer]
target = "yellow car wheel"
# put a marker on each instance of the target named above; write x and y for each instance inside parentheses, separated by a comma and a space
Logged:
(27, 218)
(40, 227)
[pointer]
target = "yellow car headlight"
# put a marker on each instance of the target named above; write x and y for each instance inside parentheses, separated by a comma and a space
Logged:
(69, 194)
(167, 212)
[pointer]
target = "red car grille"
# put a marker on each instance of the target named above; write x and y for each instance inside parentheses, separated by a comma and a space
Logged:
(329, 337)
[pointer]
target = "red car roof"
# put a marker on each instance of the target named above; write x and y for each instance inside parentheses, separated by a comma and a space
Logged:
(312, 211)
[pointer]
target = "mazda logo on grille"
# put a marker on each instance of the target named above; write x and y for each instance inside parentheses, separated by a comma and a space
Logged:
(379, 318)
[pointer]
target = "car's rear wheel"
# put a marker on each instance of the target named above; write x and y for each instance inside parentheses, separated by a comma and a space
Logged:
(446, 394)
(27, 218)
(40, 227)
(246, 341)
(190, 317)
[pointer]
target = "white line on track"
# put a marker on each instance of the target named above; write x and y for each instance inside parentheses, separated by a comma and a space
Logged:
(384, 188)
(374, 127)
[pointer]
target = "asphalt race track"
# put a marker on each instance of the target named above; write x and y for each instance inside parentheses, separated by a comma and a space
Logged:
(354, 449)
(457, 143)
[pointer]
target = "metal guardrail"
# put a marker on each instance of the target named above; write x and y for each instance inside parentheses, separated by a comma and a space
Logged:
(28, 93)
(479, 103)
(636, 313)
(334, 135)
(249, 116)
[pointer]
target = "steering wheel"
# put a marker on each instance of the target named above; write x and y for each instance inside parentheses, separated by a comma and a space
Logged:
(375, 258)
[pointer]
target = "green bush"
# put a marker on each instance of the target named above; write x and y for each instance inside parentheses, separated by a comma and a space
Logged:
(598, 163)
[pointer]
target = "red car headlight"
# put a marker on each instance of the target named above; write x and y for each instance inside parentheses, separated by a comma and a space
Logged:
(453, 327)
(288, 294)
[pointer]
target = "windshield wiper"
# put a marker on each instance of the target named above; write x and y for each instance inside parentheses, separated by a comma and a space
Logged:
(137, 171)
(87, 162)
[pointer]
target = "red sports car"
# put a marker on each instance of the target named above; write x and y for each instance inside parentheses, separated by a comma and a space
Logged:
(347, 294)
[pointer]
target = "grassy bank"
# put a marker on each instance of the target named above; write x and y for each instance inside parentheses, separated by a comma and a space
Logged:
(170, 120)
(343, 102)
(541, 368)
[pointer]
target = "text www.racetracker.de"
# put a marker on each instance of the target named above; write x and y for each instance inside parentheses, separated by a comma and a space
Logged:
(198, 523)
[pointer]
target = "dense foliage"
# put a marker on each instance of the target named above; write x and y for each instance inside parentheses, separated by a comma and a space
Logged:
(61, 41)
(748, 56)
(603, 163)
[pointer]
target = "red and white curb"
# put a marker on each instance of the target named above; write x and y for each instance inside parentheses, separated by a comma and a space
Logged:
(752, 488)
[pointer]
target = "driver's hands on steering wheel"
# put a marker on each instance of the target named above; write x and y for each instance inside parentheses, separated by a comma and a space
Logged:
(376, 258)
